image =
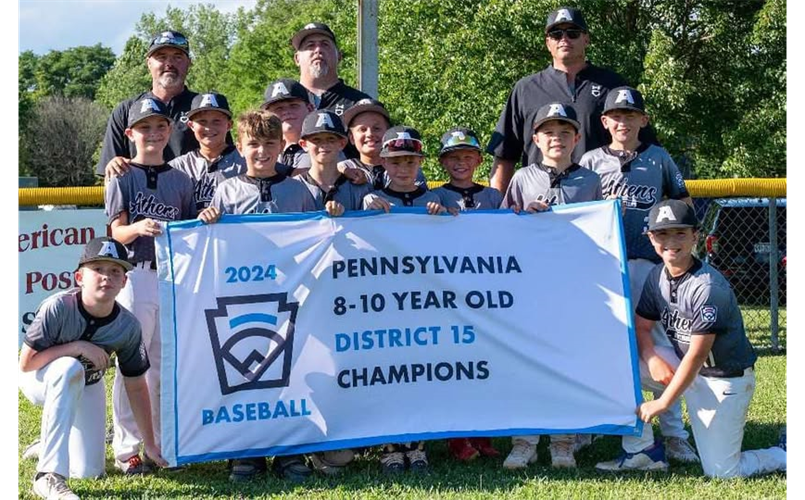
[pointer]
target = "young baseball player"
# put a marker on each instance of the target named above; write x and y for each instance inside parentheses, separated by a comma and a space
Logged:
(324, 137)
(149, 193)
(367, 121)
(262, 189)
(64, 356)
(289, 100)
(710, 361)
(401, 154)
(641, 175)
(460, 156)
(556, 180)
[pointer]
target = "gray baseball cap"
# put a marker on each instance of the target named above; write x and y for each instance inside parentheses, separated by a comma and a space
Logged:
(459, 138)
(565, 15)
(310, 29)
(105, 249)
(322, 121)
(672, 214)
(624, 98)
(209, 101)
(169, 38)
(365, 106)
(556, 111)
(284, 89)
(146, 107)
(401, 141)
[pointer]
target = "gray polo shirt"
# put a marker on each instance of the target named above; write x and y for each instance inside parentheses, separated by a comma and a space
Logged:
(537, 182)
(208, 174)
(477, 197)
(344, 192)
(270, 195)
(418, 198)
(376, 175)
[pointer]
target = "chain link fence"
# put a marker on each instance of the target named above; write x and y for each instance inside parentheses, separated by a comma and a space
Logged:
(745, 239)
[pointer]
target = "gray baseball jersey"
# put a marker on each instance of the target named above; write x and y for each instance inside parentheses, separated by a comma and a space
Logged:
(700, 301)
(377, 176)
(295, 157)
(207, 174)
(477, 197)
(157, 192)
(61, 319)
(270, 195)
(344, 192)
(641, 179)
(537, 182)
(418, 198)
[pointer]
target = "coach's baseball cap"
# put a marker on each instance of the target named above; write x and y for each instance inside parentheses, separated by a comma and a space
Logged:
(401, 141)
(145, 107)
(670, 214)
(565, 15)
(310, 29)
(209, 102)
(624, 98)
(284, 89)
(556, 111)
(322, 121)
(105, 248)
(365, 106)
(169, 38)
(459, 138)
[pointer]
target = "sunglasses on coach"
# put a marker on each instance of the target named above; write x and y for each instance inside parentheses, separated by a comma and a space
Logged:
(171, 39)
(572, 33)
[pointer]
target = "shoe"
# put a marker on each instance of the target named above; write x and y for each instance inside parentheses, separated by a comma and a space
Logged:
(484, 445)
(417, 460)
(462, 450)
(522, 454)
(133, 465)
(680, 449)
(562, 452)
(333, 462)
(244, 469)
(52, 486)
(652, 458)
(783, 438)
(393, 462)
(292, 468)
(32, 450)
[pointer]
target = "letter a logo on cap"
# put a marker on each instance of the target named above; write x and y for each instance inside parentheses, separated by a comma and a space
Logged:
(665, 213)
(624, 95)
(108, 250)
(557, 109)
(279, 89)
(459, 135)
(149, 104)
(563, 15)
(324, 120)
(208, 100)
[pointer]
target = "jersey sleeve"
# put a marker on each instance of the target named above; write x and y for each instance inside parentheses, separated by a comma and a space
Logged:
(513, 195)
(132, 356)
(506, 141)
(673, 184)
(114, 198)
(115, 142)
(711, 310)
(43, 330)
(649, 305)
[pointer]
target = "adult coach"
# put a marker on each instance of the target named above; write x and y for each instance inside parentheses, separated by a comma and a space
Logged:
(570, 78)
(317, 55)
(168, 60)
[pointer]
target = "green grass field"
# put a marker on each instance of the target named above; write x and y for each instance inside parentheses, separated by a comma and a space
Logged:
(482, 479)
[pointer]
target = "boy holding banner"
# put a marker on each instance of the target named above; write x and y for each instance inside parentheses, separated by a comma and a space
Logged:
(556, 180)
(461, 155)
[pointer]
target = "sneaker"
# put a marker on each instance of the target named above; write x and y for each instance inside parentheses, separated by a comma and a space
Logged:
(462, 449)
(32, 450)
(562, 452)
(393, 462)
(783, 438)
(244, 469)
(522, 454)
(417, 460)
(652, 458)
(680, 449)
(52, 486)
(333, 462)
(291, 467)
(133, 465)
(484, 445)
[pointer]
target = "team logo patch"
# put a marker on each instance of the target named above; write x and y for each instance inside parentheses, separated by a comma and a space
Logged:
(557, 110)
(709, 313)
(624, 96)
(324, 120)
(208, 100)
(108, 250)
(596, 90)
(252, 341)
(665, 213)
(339, 109)
(279, 89)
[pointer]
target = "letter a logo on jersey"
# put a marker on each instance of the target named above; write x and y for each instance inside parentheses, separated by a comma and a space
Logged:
(108, 250)
(279, 89)
(324, 120)
(149, 105)
(624, 96)
(208, 101)
(563, 15)
(557, 110)
(665, 213)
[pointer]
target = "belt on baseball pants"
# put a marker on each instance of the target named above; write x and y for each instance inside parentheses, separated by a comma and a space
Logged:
(146, 264)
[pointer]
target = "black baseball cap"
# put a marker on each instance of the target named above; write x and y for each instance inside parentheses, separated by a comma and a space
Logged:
(284, 89)
(310, 29)
(209, 102)
(557, 111)
(322, 121)
(624, 98)
(459, 138)
(401, 141)
(364, 106)
(169, 38)
(105, 248)
(145, 107)
(671, 214)
(565, 15)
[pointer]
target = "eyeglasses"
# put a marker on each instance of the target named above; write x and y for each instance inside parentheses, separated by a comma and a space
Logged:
(462, 140)
(406, 145)
(170, 39)
(572, 33)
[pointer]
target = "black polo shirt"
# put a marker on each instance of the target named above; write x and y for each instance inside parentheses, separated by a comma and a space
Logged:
(338, 98)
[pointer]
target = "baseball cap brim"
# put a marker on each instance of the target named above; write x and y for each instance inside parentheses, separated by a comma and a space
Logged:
(459, 146)
(354, 111)
(123, 263)
(288, 97)
(571, 121)
(673, 225)
(627, 107)
(138, 120)
(392, 154)
(199, 110)
(315, 132)
(300, 36)
(170, 45)
(565, 21)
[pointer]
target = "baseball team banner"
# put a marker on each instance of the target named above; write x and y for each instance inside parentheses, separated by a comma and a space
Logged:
(293, 333)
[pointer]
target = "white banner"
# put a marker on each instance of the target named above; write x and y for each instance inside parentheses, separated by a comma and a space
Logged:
(299, 332)
(50, 244)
